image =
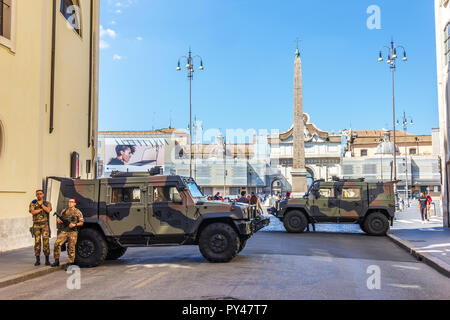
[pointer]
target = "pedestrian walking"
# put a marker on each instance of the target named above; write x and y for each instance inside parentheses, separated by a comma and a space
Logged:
(243, 198)
(423, 201)
(69, 232)
(430, 200)
(254, 201)
(40, 210)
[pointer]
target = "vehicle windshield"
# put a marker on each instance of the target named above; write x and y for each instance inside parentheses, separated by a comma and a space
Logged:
(316, 183)
(194, 190)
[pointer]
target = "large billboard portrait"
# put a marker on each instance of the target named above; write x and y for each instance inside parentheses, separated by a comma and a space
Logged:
(134, 155)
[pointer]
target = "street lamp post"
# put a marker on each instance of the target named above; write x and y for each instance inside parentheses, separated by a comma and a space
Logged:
(190, 73)
(392, 62)
(405, 122)
(225, 171)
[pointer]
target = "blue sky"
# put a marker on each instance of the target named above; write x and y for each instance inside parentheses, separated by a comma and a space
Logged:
(248, 50)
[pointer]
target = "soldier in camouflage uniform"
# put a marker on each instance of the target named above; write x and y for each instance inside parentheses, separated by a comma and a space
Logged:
(40, 210)
(68, 233)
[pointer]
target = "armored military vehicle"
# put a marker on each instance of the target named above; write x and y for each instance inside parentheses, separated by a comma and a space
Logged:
(371, 205)
(138, 210)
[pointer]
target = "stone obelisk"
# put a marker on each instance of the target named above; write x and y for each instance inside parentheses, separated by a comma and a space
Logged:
(299, 173)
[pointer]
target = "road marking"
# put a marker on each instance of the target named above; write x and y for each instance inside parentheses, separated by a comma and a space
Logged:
(159, 265)
(405, 267)
(404, 286)
(146, 282)
(404, 221)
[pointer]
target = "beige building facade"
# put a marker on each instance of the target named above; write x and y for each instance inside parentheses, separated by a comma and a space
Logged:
(48, 107)
(322, 151)
(369, 154)
(442, 9)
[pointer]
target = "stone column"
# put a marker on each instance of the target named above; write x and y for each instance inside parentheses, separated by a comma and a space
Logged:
(299, 173)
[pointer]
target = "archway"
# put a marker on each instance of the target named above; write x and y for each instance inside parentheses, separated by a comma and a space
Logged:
(277, 187)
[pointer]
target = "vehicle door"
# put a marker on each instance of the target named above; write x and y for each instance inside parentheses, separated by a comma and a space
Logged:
(125, 207)
(351, 203)
(325, 204)
(167, 212)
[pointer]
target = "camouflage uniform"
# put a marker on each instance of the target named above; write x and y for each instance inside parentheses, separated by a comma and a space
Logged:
(40, 228)
(75, 216)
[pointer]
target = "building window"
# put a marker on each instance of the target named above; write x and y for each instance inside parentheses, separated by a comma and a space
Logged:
(412, 151)
(447, 43)
(5, 18)
(364, 153)
(71, 10)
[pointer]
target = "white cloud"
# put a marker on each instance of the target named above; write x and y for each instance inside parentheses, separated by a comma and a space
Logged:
(103, 44)
(117, 57)
(139, 38)
(107, 32)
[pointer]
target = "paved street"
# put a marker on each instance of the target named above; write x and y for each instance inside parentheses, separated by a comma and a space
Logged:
(275, 265)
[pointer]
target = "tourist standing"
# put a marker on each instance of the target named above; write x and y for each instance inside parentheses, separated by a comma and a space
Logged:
(423, 202)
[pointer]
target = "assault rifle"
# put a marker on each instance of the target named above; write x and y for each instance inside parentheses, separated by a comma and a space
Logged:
(66, 222)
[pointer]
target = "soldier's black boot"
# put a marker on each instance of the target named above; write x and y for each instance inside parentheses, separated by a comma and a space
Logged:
(56, 263)
(47, 261)
(38, 262)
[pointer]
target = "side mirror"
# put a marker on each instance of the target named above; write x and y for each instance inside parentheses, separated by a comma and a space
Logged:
(177, 198)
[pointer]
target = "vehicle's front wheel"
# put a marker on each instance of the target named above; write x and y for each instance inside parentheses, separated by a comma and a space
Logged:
(376, 224)
(115, 252)
(295, 222)
(219, 242)
(91, 249)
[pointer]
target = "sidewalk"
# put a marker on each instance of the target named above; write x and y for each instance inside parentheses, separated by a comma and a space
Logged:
(18, 266)
(429, 242)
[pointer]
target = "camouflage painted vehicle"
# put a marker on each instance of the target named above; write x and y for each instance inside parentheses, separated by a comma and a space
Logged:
(139, 210)
(371, 205)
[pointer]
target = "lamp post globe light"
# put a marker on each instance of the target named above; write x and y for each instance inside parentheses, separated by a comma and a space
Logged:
(405, 121)
(392, 57)
(190, 67)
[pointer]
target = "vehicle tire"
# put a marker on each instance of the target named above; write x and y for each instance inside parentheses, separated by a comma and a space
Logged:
(242, 245)
(219, 242)
(376, 224)
(295, 222)
(91, 250)
(115, 252)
